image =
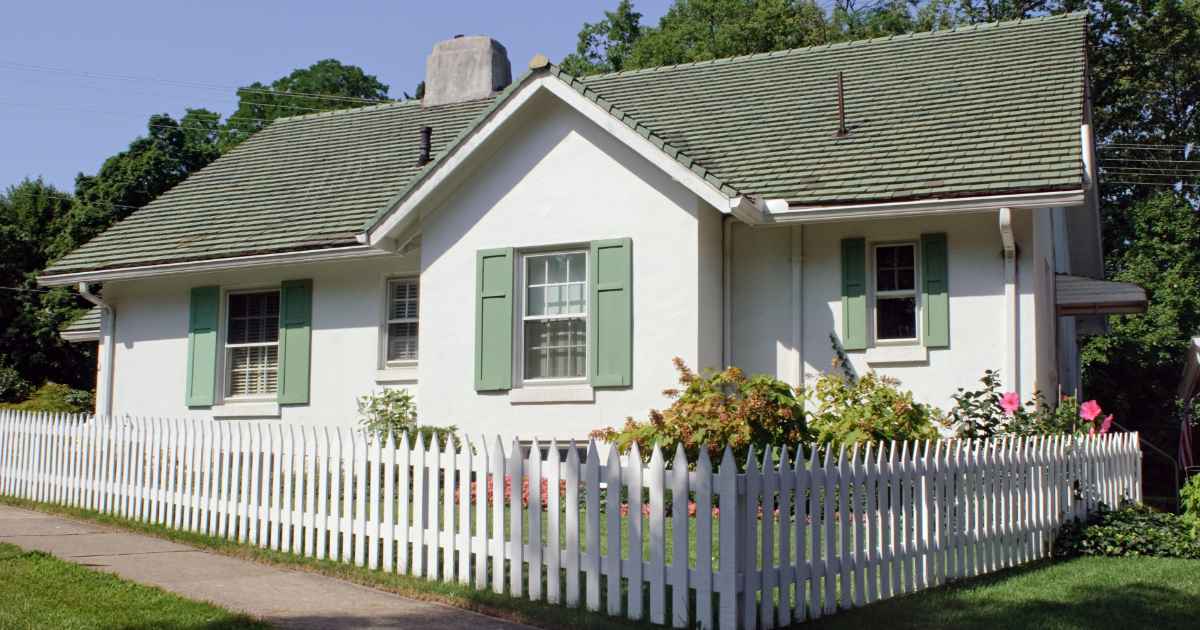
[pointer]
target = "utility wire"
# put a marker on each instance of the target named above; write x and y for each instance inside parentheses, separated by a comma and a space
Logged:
(12, 65)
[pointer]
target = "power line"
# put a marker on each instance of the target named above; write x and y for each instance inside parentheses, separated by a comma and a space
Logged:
(12, 65)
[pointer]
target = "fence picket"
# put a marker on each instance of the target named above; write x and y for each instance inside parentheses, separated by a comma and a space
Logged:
(800, 537)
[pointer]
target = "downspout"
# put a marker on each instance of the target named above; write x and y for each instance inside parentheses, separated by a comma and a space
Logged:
(1012, 382)
(726, 291)
(104, 380)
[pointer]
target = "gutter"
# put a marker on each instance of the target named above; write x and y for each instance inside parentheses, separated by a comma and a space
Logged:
(791, 211)
(216, 264)
(108, 328)
(1011, 381)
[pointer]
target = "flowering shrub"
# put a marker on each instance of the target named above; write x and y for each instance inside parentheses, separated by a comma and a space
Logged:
(1189, 499)
(987, 412)
(870, 408)
(508, 484)
(713, 410)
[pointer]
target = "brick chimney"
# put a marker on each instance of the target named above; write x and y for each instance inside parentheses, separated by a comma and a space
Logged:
(465, 69)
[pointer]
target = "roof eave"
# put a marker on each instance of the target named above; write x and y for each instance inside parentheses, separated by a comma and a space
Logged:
(785, 211)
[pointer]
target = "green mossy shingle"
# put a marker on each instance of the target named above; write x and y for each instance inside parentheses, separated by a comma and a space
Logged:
(988, 109)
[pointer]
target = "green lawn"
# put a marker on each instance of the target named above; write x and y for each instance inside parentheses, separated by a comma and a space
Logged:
(1159, 593)
(40, 591)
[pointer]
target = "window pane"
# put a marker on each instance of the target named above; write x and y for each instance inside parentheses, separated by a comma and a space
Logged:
(253, 370)
(556, 348)
(904, 279)
(535, 301)
(885, 257)
(536, 269)
(885, 280)
(575, 299)
(404, 300)
(578, 266)
(253, 318)
(556, 300)
(402, 342)
(904, 256)
(896, 318)
(557, 269)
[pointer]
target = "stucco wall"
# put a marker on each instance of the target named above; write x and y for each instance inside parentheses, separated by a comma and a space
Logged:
(763, 335)
(150, 365)
(563, 180)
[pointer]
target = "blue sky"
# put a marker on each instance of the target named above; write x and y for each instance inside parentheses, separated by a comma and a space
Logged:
(56, 125)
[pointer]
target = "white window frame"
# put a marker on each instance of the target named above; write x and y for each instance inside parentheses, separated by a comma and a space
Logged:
(914, 293)
(227, 363)
(520, 307)
(385, 328)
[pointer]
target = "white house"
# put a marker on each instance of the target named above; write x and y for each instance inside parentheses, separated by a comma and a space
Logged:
(528, 256)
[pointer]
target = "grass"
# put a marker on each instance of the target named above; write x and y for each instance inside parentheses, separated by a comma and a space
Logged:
(1082, 593)
(539, 614)
(1162, 593)
(41, 591)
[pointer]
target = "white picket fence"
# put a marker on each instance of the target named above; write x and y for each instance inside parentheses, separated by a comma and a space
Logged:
(795, 535)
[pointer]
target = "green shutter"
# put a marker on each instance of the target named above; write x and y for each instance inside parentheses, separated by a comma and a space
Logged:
(202, 347)
(493, 319)
(612, 313)
(295, 340)
(854, 294)
(935, 294)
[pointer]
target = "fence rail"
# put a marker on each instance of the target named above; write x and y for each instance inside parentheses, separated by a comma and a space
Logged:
(794, 535)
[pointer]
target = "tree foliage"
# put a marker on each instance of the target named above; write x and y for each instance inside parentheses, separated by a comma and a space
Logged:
(39, 224)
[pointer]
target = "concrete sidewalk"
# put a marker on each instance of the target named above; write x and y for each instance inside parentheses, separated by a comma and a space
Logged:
(288, 599)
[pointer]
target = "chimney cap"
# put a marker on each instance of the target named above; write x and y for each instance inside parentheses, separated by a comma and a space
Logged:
(539, 62)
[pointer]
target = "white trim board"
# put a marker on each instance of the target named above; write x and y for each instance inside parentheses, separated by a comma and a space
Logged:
(216, 264)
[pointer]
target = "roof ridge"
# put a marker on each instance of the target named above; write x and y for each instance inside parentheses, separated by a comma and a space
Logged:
(844, 44)
(370, 108)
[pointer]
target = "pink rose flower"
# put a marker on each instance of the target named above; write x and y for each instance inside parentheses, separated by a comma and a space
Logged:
(1010, 402)
(1107, 424)
(1089, 410)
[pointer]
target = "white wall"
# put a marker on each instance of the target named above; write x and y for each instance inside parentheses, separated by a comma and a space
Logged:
(348, 306)
(564, 180)
(763, 317)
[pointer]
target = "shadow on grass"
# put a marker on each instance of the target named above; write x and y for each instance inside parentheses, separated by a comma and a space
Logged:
(1158, 593)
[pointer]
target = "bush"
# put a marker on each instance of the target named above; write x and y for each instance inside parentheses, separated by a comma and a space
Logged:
(13, 387)
(1133, 530)
(55, 398)
(1189, 499)
(871, 408)
(394, 412)
(713, 410)
(988, 412)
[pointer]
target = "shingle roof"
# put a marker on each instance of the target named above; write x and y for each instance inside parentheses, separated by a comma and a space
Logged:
(987, 109)
(86, 327)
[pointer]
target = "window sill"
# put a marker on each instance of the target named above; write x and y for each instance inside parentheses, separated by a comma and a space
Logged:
(247, 409)
(542, 394)
(397, 374)
(893, 355)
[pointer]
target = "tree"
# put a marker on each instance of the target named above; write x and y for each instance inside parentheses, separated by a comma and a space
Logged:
(605, 46)
(326, 85)
(152, 165)
(31, 213)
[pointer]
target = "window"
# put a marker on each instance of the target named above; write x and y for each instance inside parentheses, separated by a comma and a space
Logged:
(895, 292)
(402, 320)
(252, 344)
(554, 322)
